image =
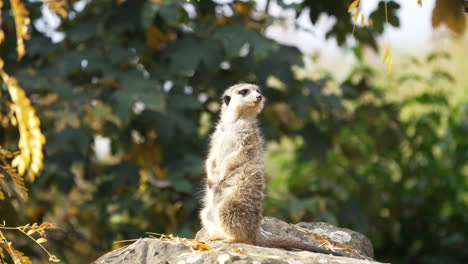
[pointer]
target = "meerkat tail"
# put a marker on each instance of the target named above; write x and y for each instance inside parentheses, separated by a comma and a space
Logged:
(286, 243)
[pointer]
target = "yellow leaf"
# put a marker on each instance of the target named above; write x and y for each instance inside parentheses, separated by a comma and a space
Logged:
(369, 21)
(157, 39)
(41, 240)
(243, 8)
(31, 138)
(355, 15)
(362, 20)
(30, 232)
(57, 6)
(389, 66)
(18, 256)
(143, 181)
(2, 34)
(197, 245)
(222, 20)
(53, 258)
(45, 224)
(353, 5)
(18, 162)
(21, 23)
(386, 54)
(451, 14)
(420, 3)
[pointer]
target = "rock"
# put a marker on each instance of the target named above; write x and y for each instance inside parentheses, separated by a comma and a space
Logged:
(355, 246)
(344, 236)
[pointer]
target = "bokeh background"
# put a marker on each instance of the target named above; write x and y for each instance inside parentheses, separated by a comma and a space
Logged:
(127, 92)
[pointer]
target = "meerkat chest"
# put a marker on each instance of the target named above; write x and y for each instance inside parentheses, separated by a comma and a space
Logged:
(227, 144)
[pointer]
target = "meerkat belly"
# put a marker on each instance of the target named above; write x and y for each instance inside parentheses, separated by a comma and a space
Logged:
(210, 215)
(226, 146)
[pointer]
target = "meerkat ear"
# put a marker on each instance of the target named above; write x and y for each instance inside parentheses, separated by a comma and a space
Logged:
(227, 99)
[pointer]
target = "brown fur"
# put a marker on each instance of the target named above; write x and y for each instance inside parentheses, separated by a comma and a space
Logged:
(233, 202)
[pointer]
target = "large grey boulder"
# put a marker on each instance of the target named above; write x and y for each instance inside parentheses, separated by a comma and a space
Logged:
(355, 246)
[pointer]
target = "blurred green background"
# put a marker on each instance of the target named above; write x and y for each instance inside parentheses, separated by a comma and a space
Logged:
(128, 91)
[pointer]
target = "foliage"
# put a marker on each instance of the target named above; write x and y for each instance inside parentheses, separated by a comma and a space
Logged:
(451, 14)
(397, 171)
(7, 170)
(31, 137)
(143, 78)
(17, 256)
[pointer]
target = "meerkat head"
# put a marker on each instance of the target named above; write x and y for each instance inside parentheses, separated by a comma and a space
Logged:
(244, 99)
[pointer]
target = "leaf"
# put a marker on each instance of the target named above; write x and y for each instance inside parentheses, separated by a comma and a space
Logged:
(243, 8)
(82, 32)
(53, 258)
(149, 12)
(379, 18)
(6, 168)
(353, 5)
(356, 14)
(18, 256)
(41, 240)
(200, 246)
(170, 12)
(2, 34)
(450, 13)
(386, 54)
(235, 37)
(58, 7)
(22, 21)
(185, 54)
(212, 54)
(429, 99)
(389, 65)
(99, 113)
(157, 39)
(183, 102)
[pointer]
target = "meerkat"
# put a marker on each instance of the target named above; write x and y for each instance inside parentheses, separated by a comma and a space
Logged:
(234, 192)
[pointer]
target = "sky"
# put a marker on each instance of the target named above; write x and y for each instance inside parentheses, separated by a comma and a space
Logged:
(414, 36)
(415, 30)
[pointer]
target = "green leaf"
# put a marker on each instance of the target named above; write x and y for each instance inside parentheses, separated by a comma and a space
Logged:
(154, 101)
(149, 12)
(82, 32)
(378, 16)
(179, 102)
(185, 55)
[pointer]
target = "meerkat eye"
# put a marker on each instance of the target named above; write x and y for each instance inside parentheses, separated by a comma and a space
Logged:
(258, 91)
(227, 99)
(243, 92)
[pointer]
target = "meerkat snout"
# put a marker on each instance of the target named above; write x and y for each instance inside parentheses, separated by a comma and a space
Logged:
(259, 98)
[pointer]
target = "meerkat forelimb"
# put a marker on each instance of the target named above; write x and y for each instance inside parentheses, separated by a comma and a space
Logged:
(233, 201)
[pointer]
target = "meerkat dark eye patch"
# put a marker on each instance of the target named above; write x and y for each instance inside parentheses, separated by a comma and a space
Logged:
(243, 92)
(258, 91)
(227, 99)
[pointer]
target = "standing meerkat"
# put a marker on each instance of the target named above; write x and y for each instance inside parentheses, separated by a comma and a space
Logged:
(233, 201)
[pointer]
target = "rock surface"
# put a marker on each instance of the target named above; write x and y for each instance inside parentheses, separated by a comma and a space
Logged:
(355, 246)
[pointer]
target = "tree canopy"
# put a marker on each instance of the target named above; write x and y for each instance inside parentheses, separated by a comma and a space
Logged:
(143, 78)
